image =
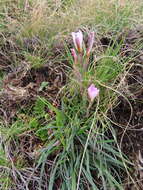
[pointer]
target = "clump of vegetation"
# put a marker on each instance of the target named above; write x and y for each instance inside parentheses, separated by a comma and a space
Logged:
(70, 102)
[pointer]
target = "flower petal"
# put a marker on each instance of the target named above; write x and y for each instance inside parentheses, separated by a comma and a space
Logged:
(78, 40)
(90, 43)
(92, 92)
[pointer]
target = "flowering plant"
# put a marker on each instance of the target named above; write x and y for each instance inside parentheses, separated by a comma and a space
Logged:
(81, 61)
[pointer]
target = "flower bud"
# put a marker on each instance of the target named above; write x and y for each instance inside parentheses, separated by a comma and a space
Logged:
(90, 43)
(73, 52)
(78, 40)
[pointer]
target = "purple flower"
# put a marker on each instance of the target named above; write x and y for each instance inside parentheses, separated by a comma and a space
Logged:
(90, 43)
(92, 92)
(73, 52)
(78, 40)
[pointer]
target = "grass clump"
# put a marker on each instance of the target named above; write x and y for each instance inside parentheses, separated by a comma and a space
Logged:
(34, 61)
(69, 139)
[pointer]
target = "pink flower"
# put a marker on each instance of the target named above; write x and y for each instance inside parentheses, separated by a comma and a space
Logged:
(90, 43)
(73, 52)
(78, 40)
(93, 92)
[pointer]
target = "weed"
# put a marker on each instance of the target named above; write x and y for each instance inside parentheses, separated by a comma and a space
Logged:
(34, 61)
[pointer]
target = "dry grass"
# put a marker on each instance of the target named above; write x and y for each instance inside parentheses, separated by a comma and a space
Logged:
(50, 19)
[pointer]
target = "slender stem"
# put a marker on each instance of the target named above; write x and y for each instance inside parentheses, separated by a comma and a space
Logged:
(86, 145)
(86, 63)
(88, 109)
